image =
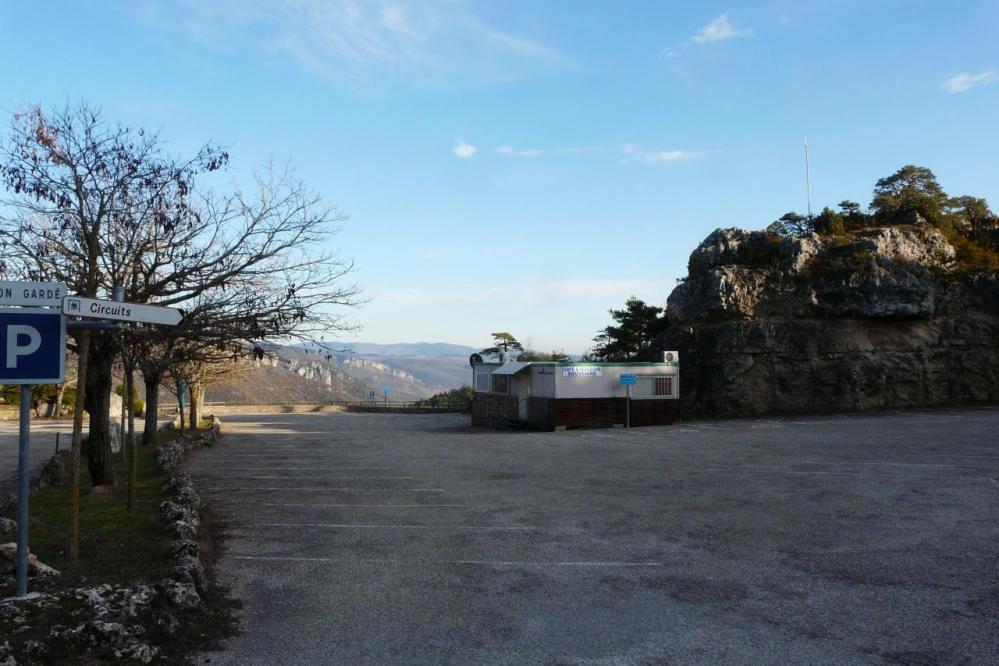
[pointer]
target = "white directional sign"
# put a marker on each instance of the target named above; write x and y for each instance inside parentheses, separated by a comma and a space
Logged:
(78, 306)
(32, 294)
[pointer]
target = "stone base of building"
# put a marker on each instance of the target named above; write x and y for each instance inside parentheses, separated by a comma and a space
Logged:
(501, 411)
(494, 411)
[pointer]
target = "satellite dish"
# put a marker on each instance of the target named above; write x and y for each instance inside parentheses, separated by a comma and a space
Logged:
(475, 358)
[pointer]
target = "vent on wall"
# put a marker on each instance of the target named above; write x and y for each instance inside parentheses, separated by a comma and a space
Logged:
(671, 356)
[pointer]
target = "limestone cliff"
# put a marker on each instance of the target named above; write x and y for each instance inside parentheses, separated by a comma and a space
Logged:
(878, 318)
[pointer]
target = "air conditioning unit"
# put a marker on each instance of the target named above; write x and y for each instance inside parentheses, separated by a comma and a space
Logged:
(671, 357)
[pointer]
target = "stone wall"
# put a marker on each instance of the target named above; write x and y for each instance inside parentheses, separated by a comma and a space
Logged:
(224, 410)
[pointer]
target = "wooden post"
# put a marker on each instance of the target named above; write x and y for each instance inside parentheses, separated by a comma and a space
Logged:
(74, 456)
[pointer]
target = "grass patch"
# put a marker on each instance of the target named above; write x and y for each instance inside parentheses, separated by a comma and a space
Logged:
(115, 546)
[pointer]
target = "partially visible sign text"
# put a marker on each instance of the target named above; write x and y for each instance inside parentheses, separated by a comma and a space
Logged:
(582, 371)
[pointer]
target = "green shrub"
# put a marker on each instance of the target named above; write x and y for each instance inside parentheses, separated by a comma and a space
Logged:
(138, 406)
(760, 250)
(828, 222)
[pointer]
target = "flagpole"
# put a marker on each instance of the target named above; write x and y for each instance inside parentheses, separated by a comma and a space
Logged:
(808, 180)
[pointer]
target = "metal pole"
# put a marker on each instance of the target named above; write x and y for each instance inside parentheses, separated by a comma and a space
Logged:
(23, 474)
(627, 408)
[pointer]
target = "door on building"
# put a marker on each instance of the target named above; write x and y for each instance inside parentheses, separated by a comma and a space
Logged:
(524, 393)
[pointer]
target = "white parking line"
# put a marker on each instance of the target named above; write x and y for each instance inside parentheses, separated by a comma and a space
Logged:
(506, 563)
(348, 490)
(400, 506)
(776, 470)
(504, 528)
(861, 462)
(327, 477)
(314, 468)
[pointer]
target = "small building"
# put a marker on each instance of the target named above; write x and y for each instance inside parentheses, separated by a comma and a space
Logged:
(550, 395)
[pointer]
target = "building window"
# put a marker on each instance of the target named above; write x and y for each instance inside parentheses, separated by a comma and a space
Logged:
(501, 383)
(664, 386)
(482, 382)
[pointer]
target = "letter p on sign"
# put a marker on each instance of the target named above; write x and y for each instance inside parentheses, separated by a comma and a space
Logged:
(15, 333)
(33, 345)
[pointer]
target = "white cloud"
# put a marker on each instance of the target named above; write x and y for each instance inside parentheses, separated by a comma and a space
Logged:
(965, 81)
(464, 150)
(633, 153)
(784, 19)
(539, 292)
(719, 30)
(417, 40)
(576, 150)
(510, 151)
(521, 46)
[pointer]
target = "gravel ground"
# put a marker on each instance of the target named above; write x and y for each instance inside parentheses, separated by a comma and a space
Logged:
(374, 539)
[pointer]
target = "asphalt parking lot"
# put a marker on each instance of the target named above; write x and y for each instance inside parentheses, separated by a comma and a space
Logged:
(42, 447)
(376, 539)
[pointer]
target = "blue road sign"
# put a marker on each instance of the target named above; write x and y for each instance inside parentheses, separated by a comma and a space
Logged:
(32, 346)
(628, 380)
(386, 389)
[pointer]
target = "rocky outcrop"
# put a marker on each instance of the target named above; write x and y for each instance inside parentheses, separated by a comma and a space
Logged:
(877, 318)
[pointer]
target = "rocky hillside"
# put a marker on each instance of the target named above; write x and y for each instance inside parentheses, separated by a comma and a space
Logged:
(277, 379)
(877, 317)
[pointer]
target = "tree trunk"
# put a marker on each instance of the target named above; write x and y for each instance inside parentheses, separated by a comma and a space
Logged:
(152, 382)
(180, 406)
(98, 401)
(197, 396)
(54, 412)
(129, 443)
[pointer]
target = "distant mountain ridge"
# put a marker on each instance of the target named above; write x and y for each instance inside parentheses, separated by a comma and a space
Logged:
(406, 349)
(412, 370)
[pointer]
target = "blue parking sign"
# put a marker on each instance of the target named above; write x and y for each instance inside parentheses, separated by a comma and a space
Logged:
(32, 346)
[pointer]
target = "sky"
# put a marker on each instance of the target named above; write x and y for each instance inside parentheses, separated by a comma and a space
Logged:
(525, 166)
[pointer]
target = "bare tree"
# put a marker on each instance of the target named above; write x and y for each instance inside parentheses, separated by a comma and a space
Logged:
(264, 273)
(209, 366)
(100, 206)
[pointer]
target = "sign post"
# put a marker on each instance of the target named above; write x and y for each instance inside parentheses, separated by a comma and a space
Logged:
(93, 308)
(385, 392)
(23, 477)
(628, 381)
(33, 351)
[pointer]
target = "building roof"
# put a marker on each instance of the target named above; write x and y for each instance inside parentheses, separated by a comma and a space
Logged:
(512, 367)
